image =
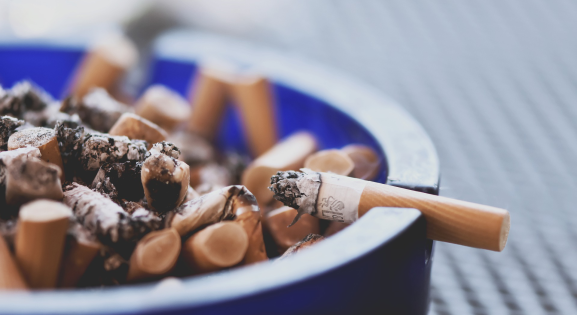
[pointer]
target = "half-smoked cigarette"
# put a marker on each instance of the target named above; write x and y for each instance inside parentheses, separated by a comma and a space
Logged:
(208, 99)
(81, 248)
(163, 107)
(218, 246)
(136, 127)
(367, 162)
(31, 178)
(254, 97)
(306, 242)
(42, 138)
(164, 178)
(288, 154)
(334, 161)
(345, 199)
(40, 241)
(107, 61)
(155, 255)
(10, 276)
(277, 222)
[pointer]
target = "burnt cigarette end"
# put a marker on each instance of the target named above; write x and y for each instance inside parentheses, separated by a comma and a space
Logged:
(298, 190)
(285, 189)
(7, 126)
(97, 109)
(164, 178)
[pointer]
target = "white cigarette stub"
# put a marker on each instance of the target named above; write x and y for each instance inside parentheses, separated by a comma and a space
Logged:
(339, 198)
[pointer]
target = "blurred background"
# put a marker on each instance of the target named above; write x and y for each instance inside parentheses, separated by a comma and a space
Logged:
(494, 83)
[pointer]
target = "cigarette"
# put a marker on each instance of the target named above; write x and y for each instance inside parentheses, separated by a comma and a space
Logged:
(367, 162)
(216, 247)
(163, 107)
(97, 109)
(42, 138)
(277, 222)
(40, 241)
(334, 161)
(155, 255)
(164, 178)
(81, 248)
(31, 178)
(253, 96)
(344, 199)
(306, 242)
(288, 154)
(107, 61)
(208, 99)
(8, 126)
(98, 149)
(105, 219)
(247, 214)
(10, 276)
(136, 127)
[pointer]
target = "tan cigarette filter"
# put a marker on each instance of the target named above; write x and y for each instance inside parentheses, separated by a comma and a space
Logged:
(163, 107)
(10, 276)
(288, 154)
(40, 241)
(345, 199)
(208, 99)
(253, 96)
(155, 255)
(81, 248)
(277, 222)
(42, 138)
(248, 216)
(218, 246)
(107, 61)
(334, 161)
(366, 160)
(136, 127)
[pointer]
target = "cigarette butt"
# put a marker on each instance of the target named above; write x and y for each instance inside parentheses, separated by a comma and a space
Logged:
(345, 199)
(165, 181)
(366, 160)
(163, 107)
(31, 178)
(108, 60)
(208, 99)
(218, 246)
(288, 154)
(334, 161)
(155, 255)
(136, 127)
(42, 138)
(10, 276)
(334, 227)
(277, 222)
(306, 242)
(40, 241)
(247, 214)
(254, 97)
(81, 248)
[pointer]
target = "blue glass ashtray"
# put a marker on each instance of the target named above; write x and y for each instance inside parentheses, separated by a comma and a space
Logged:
(379, 265)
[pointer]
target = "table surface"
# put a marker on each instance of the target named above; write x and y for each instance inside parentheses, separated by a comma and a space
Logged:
(495, 85)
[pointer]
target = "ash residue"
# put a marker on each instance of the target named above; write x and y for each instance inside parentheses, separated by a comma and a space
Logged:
(166, 148)
(7, 126)
(285, 189)
(97, 109)
(125, 177)
(99, 149)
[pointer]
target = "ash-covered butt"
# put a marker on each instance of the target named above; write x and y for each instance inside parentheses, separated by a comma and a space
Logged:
(298, 190)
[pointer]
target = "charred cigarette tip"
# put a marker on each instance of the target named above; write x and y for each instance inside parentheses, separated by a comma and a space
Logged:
(298, 190)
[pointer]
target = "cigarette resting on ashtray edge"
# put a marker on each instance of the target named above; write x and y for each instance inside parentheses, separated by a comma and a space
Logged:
(344, 199)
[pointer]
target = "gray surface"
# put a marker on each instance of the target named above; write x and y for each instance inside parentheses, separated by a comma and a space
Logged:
(495, 85)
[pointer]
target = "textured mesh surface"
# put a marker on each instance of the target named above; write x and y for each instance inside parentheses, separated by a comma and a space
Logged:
(495, 85)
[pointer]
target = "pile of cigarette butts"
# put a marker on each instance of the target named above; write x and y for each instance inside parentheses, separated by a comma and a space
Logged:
(95, 192)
